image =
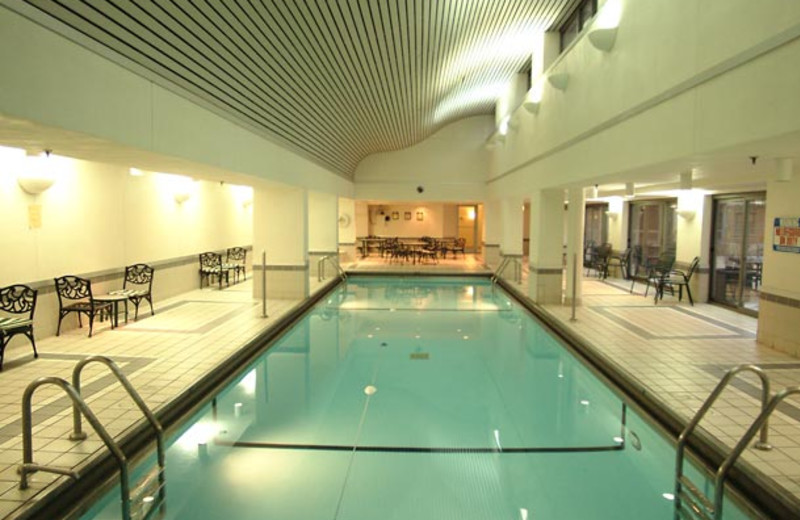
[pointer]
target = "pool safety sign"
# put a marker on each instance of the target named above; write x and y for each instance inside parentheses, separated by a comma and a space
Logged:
(786, 237)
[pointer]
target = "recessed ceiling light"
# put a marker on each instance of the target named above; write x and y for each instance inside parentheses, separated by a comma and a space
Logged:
(370, 390)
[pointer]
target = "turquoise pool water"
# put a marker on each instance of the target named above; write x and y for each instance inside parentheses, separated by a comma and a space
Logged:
(417, 398)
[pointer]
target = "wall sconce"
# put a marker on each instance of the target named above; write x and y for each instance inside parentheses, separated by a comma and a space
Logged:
(612, 214)
(502, 129)
(39, 175)
(559, 80)
(686, 214)
(603, 33)
(182, 196)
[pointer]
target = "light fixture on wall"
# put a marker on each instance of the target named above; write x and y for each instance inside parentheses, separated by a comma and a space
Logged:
(784, 167)
(559, 80)
(603, 34)
(686, 214)
(38, 175)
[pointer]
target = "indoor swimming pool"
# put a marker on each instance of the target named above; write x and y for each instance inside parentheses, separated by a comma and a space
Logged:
(417, 398)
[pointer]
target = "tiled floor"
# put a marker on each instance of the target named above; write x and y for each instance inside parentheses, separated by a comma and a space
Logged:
(162, 355)
(676, 352)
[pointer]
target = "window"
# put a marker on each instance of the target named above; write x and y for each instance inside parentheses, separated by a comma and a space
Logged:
(577, 21)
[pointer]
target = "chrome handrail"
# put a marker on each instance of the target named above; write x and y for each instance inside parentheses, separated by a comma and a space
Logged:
(517, 269)
(137, 399)
(759, 423)
(335, 264)
(28, 466)
(763, 442)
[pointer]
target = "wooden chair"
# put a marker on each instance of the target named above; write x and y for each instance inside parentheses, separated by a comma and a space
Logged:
(79, 291)
(137, 286)
(18, 302)
(211, 265)
(236, 259)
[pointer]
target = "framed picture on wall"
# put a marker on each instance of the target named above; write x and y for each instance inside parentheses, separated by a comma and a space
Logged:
(395, 215)
(407, 215)
(420, 215)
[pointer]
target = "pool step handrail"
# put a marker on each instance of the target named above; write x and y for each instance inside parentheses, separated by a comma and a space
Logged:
(690, 501)
(156, 497)
(334, 263)
(500, 268)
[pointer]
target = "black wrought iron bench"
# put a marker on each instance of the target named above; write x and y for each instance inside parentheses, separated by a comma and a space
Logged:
(17, 303)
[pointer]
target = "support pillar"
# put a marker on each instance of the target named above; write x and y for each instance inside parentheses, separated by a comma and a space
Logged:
(280, 227)
(575, 223)
(546, 256)
(323, 229)
(347, 230)
(492, 232)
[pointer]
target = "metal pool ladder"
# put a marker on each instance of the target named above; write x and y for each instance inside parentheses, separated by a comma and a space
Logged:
(690, 501)
(335, 264)
(503, 264)
(149, 495)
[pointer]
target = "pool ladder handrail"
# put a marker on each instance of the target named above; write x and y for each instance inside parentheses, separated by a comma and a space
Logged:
(79, 407)
(335, 264)
(500, 268)
(699, 505)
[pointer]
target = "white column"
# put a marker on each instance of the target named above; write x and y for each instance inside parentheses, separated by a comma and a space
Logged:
(511, 238)
(280, 227)
(323, 227)
(693, 238)
(492, 232)
(347, 230)
(575, 221)
(546, 246)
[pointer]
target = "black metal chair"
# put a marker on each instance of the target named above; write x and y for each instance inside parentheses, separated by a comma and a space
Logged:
(236, 259)
(18, 302)
(211, 265)
(600, 256)
(654, 269)
(622, 260)
(679, 279)
(137, 286)
(79, 291)
(459, 246)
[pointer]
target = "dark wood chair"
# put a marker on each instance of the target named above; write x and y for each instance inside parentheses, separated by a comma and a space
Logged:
(211, 266)
(236, 259)
(137, 286)
(79, 291)
(17, 302)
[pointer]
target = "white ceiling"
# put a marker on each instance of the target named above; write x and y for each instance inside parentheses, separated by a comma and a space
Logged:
(336, 80)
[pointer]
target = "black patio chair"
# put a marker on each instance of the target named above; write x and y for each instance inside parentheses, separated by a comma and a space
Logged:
(211, 266)
(17, 302)
(79, 291)
(622, 261)
(679, 279)
(137, 286)
(236, 259)
(654, 270)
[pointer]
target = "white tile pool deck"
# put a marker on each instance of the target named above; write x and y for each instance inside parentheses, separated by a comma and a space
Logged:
(675, 351)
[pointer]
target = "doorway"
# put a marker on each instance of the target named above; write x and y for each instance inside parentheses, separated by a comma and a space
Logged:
(653, 230)
(737, 250)
(468, 226)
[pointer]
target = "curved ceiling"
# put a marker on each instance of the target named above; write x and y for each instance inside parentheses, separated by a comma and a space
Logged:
(335, 80)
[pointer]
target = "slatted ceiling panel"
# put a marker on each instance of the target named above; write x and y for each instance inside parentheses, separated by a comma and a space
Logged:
(336, 80)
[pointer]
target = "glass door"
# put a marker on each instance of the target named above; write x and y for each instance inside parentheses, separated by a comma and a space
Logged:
(595, 228)
(652, 231)
(737, 250)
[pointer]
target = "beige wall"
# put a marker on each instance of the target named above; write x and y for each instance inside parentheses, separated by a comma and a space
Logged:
(98, 217)
(451, 165)
(433, 223)
(722, 80)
